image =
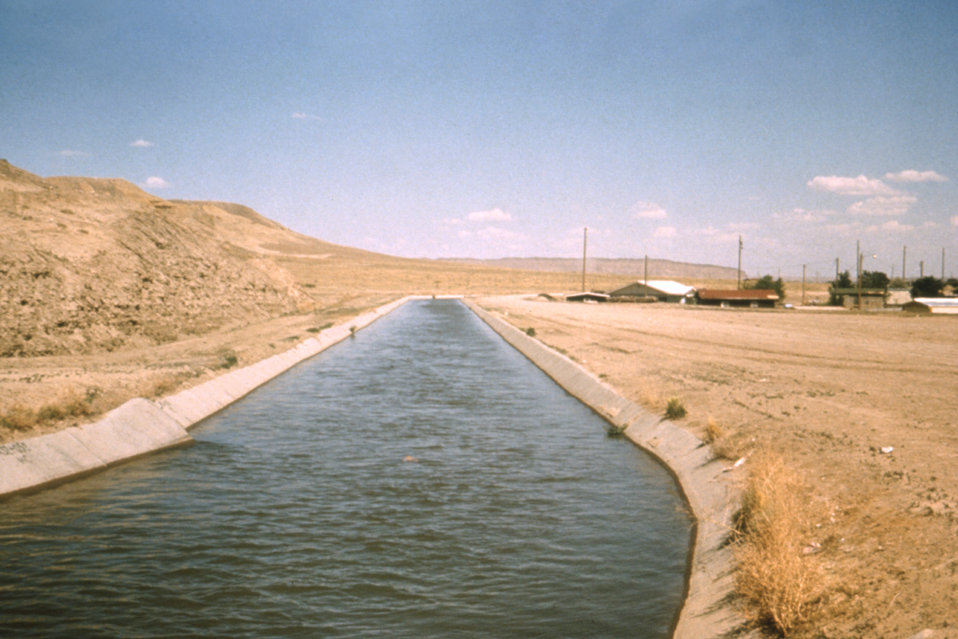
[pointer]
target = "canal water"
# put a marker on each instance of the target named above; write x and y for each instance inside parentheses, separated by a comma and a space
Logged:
(421, 479)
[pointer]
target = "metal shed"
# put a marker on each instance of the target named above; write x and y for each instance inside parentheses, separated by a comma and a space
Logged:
(661, 290)
(748, 298)
(943, 305)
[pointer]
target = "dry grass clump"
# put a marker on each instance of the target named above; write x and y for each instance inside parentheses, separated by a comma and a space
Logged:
(713, 431)
(18, 417)
(777, 579)
(165, 385)
(652, 400)
(722, 441)
(674, 409)
(70, 404)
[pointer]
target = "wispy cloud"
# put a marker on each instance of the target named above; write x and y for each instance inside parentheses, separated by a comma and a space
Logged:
(70, 153)
(911, 175)
(492, 215)
(299, 115)
(896, 205)
(893, 226)
(954, 220)
(141, 143)
(494, 233)
(860, 185)
(665, 231)
(800, 215)
(844, 228)
(716, 235)
(154, 182)
(648, 211)
(493, 236)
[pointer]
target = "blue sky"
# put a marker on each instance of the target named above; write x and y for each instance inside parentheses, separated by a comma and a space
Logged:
(493, 129)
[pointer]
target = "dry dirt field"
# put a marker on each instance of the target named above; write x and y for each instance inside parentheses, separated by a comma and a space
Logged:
(859, 406)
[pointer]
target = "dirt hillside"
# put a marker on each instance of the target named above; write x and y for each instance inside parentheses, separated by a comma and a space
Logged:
(92, 265)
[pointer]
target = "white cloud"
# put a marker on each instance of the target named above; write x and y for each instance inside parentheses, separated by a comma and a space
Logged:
(141, 143)
(665, 231)
(299, 115)
(893, 226)
(154, 182)
(717, 234)
(492, 215)
(70, 153)
(843, 229)
(494, 233)
(954, 220)
(802, 216)
(860, 185)
(897, 205)
(910, 175)
(648, 211)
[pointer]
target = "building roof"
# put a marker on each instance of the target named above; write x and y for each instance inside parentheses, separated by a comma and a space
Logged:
(740, 294)
(938, 302)
(587, 296)
(668, 287)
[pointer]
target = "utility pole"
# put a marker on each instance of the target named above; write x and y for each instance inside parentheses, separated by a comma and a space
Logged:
(858, 257)
(904, 253)
(585, 237)
(646, 274)
(859, 281)
(921, 268)
(803, 284)
(942, 263)
(836, 269)
(739, 285)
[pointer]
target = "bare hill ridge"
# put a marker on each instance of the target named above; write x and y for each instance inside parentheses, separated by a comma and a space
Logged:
(91, 264)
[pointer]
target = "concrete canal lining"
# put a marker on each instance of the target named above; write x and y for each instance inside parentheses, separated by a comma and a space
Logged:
(704, 480)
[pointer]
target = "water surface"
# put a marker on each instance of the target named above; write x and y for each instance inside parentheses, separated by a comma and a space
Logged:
(421, 479)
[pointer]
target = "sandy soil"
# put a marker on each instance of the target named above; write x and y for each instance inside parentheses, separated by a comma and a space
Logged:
(829, 391)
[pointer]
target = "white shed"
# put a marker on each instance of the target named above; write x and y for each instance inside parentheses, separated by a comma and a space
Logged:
(662, 290)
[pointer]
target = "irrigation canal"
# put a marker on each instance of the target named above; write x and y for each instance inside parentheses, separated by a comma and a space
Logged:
(421, 479)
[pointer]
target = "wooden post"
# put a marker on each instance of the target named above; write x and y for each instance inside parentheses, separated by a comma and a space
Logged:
(585, 236)
(803, 284)
(739, 285)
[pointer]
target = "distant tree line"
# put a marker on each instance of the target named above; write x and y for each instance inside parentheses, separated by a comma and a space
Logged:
(928, 286)
(767, 283)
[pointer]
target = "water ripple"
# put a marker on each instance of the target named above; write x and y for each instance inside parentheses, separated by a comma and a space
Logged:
(419, 480)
